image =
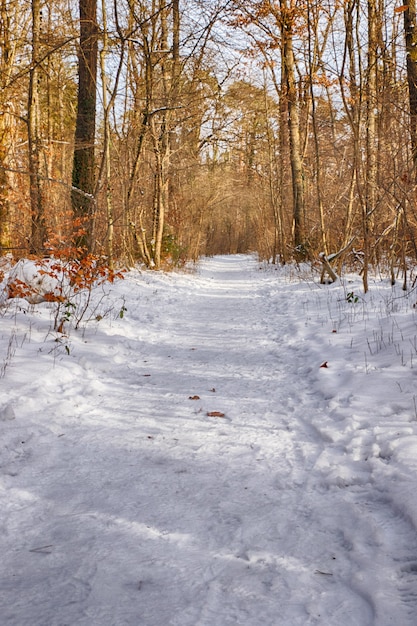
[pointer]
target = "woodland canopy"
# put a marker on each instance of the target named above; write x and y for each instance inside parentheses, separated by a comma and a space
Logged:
(159, 131)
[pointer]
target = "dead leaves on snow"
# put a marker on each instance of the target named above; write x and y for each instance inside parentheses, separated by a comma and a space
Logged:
(208, 413)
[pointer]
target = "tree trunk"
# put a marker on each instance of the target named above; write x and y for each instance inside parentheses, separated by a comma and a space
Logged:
(6, 63)
(162, 131)
(83, 173)
(175, 37)
(161, 142)
(38, 230)
(278, 242)
(312, 24)
(5, 218)
(410, 29)
(106, 163)
(352, 102)
(294, 129)
(371, 152)
(159, 196)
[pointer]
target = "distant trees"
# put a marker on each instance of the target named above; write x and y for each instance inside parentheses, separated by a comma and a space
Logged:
(161, 130)
(341, 94)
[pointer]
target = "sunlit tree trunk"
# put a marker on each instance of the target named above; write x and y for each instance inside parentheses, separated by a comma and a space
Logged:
(285, 206)
(313, 62)
(38, 230)
(160, 195)
(139, 73)
(6, 64)
(294, 128)
(371, 139)
(161, 141)
(278, 243)
(106, 164)
(352, 74)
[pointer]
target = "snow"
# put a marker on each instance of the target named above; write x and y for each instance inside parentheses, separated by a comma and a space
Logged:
(34, 280)
(124, 503)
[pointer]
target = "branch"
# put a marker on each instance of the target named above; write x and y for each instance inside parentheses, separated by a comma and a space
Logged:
(48, 179)
(330, 258)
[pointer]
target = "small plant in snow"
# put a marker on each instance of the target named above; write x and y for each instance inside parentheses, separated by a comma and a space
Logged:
(67, 279)
(82, 276)
(11, 349)
(68, 311)
(351, 297)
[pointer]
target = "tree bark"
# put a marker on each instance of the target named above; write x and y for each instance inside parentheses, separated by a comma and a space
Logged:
(294, 129)
(38, 230)
(6, 64)
(410, 29)
(371, 137)
(83, 173)
(312, 25)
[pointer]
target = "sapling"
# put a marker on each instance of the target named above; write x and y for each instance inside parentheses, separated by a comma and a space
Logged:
(351, 297)
(366, 363)
(11, 349)
(122, 311)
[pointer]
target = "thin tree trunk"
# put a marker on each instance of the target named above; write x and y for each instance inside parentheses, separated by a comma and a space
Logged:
(106, 148)
(161, 133)
(175, 39)
(294, 130)
(38, 230)
(352, 102)
(278, 243)
(312, 67)
(6, 63)
(371, 152)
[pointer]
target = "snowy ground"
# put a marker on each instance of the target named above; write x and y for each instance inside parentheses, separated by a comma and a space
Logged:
(123, 503)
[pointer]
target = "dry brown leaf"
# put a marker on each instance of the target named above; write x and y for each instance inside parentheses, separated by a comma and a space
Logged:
(215, 414)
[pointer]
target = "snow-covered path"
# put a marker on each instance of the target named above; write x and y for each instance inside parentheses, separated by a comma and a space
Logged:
(124, 502)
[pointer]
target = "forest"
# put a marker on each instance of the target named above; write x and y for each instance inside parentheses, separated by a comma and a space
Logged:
(157, 132)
